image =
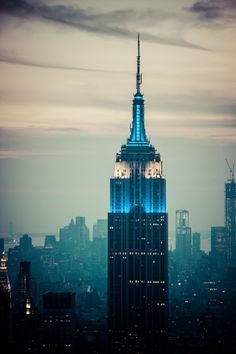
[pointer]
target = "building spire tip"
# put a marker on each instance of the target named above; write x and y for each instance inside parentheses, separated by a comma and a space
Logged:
(138, 74)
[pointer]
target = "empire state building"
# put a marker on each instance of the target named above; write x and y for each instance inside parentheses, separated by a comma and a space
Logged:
(137, 242)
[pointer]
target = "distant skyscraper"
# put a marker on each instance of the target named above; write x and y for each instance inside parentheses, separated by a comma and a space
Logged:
(196, 244)
(230, 217)
(82, 230)
(219, 243)
(26, 243)
(5, 304)
(183, 235)
(67, 237)
(75, 236)
(50, 241)
(100, 229)
(137, 242)
(1, 246)
(99, 244)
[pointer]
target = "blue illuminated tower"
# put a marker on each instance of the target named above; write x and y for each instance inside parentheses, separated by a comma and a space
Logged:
(137, 242)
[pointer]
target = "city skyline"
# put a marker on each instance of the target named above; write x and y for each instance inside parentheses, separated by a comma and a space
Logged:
(147, 262)
(66, 100)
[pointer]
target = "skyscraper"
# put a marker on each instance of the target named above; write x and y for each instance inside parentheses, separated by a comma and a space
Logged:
(1, 246)
(50, 242)
(100, 229)
(99, 244)
(75, 236)
(183, 235)
(26, 243)
(5, 304)
(230, 217)
(196, 244)
(219, 244)
(137, 242)
(59, 317)
(25, 315)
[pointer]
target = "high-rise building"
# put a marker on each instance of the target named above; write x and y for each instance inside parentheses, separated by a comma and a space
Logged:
(230, 217)
(183, 235)
(50, 241)
(219, 244)
(75, 236)
(5, 304)
(196, 244)
(23, 302)
(1, 246)
(99, 244)
(58, 322)
(100, 229)
(25, 316)
(26, 243)
(82, 230)
(137, 242)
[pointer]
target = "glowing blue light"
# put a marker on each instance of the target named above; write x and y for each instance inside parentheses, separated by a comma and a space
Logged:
(119, 195)
(138, 134)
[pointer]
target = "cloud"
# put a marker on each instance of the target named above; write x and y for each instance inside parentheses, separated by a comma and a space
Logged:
(37, 141)
(198, 104)
(203, 123)
(10, 59)
(209, 10)
(113, 23)
(16, 154)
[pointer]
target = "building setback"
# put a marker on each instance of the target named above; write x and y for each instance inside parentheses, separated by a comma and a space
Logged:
(137, 242)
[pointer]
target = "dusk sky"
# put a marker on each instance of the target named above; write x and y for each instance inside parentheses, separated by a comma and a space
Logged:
(67, 82)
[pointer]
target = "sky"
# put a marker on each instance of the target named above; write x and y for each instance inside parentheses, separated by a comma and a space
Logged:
(67, 81)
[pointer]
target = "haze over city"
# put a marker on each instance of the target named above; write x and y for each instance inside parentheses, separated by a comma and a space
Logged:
(67, 82)
(117, 182)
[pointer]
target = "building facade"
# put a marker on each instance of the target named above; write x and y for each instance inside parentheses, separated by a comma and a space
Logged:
(137, 242)
(230, 218)
(196, 244)
(5, 304)
(58, 322)
(1, 246)
(75, 236)
(219, 244)
(100, 229)
(183, 235)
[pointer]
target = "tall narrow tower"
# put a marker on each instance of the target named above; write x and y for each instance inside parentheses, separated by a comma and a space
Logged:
(183, 235)
(230, 216)
(137, 242)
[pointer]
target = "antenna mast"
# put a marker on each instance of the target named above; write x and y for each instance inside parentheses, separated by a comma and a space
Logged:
(138, 74)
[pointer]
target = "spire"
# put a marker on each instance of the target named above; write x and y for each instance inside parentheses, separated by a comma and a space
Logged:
(137, 132)
(138, 74)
